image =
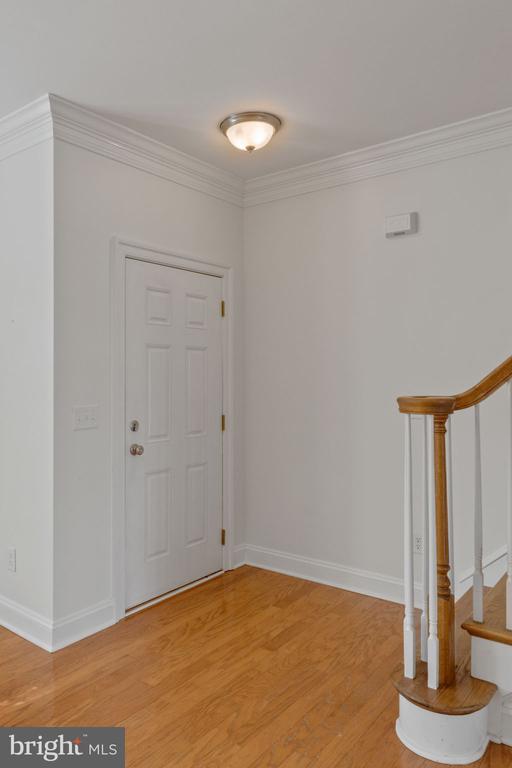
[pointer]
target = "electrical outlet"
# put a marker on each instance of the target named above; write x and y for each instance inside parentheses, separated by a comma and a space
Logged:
(418, 545)
(11, 559)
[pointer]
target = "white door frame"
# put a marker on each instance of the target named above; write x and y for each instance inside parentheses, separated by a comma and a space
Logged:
(123, 249)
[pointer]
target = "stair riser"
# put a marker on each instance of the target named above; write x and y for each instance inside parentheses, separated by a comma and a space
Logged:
(450, 739)
(492, 661)
(506, 721)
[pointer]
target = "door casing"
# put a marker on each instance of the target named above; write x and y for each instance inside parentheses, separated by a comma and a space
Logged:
(121, 250)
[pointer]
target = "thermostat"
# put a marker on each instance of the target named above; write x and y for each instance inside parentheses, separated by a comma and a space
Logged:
(401, 224)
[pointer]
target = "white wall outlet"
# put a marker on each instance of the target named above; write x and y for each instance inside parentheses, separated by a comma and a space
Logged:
(418, 545)
(85, 417)
(11, 559)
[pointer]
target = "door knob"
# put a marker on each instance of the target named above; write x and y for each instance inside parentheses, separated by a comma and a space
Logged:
(136, 450)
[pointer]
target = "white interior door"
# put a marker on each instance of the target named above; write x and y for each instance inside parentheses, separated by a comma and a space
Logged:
(174, 401)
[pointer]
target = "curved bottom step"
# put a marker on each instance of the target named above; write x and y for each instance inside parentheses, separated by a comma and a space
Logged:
(465, 695)
(451, 739)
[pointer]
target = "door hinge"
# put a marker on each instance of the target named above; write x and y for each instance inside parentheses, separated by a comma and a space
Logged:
(223, 308)
(223, 423)
(223, 536)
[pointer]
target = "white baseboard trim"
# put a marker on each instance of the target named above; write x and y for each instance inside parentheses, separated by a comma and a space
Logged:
(76, 626)
(239, 555)
(355, 579)
(52, 636)
(495, 566)
(91, 620)
(30, 625)
(324, 572)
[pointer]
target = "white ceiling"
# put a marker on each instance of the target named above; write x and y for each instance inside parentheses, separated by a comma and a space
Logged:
(342, 74)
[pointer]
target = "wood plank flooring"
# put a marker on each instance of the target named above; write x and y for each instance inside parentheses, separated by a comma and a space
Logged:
(250, 670)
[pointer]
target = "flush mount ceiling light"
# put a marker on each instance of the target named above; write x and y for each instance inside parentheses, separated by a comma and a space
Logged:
(250, 130)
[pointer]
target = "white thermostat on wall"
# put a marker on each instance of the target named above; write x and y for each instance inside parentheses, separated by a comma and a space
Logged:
(401, 224)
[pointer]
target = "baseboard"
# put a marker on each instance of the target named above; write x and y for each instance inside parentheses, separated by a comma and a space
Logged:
(30, 625)
(494, 565)
(239, 555)
(355, 579)
(52, 636)
(324, 572)
(76, 626)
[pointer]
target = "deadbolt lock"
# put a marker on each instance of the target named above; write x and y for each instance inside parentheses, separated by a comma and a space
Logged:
(136, 450)
(134, 426)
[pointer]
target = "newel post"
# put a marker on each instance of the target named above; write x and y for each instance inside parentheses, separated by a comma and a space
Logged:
(445, 598)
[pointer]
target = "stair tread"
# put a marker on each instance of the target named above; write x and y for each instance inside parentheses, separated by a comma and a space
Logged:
(467, 694)
(494, 625)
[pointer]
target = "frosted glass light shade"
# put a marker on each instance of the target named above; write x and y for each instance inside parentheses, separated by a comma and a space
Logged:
(250, 130)
(250, 135)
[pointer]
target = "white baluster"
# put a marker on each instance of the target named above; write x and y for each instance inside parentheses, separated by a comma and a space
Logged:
(449, 493)
(433, 640)
(425, 563)
(509, 516)
(478, 575)
(409, 633)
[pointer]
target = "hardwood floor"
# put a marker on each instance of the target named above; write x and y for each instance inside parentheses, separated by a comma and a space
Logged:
(250, 670)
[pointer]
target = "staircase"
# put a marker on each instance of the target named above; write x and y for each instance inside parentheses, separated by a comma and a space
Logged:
(455, 686)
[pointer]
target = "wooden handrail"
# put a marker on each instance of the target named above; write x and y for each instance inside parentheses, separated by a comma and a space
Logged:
(486, 387)
(440, 408)
(437, 406)
(427, 405)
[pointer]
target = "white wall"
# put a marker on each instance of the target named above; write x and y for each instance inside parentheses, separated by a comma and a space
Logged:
(26, 382)
(339, 321)
(332, 321)
(97, 198)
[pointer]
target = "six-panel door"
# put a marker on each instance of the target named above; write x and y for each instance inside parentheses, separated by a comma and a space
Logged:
(174, 393)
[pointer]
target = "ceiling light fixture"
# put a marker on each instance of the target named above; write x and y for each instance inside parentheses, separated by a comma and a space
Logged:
(250, 130)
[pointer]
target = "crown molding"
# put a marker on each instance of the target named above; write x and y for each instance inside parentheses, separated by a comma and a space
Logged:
(84, 128)
(52, 116)
(477, 134)
(26, 127)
